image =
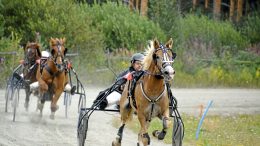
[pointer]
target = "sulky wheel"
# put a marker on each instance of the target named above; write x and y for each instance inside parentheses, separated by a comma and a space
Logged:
(8, 95)
(177, 132)
(82, 128)
(67, 102)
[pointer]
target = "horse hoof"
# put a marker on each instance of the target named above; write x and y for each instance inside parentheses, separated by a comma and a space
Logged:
(52, 116)
(40, 114)
(40, 106)
(26, 106)
(156, 133)
(159, 135)
(54, 108)
(115, 143)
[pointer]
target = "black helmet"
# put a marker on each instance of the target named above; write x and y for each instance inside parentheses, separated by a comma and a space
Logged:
(137, 57)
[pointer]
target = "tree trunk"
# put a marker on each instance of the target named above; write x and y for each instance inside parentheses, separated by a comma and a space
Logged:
(239, 9)
(231, 9)
(206, 4)
(144, 4)
(131, 5)
(137, 5)
(217, 9)
(194, 4)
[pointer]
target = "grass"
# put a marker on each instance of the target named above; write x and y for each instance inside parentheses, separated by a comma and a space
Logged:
(238, 130)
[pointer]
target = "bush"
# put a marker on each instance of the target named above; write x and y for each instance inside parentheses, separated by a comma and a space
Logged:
(123, 28)
(10, 61)
(222, 35)
(250, 27)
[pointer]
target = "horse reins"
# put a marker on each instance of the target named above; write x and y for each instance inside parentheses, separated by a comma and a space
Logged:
(54, 59)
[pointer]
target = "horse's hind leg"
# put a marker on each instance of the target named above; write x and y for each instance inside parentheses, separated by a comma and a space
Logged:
(161, 134)
(126, 113)
(40, 104)
(27, 99)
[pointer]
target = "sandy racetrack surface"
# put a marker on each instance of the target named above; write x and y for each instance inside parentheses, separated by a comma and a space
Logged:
(31, 130)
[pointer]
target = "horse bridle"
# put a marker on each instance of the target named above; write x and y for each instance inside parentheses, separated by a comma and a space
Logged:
(54, 58)
(166, 60)
(29, 61)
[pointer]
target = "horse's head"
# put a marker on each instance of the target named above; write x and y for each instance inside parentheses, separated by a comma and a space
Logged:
(162, 59)
(58, 52)
(32, 52)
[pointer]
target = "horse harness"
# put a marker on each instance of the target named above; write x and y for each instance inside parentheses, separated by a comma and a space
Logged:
(166, 62)
(31, 64)
(44, 65)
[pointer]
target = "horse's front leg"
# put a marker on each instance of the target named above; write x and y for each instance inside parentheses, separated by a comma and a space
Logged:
(43, 89)
(126, 114)
(165, 122)
(27, 99)
(143, 135)
(54, 106)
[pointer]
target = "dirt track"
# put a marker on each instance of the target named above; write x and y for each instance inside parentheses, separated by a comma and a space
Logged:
(31, 130)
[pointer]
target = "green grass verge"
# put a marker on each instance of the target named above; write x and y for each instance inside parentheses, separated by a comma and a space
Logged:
(238, 130)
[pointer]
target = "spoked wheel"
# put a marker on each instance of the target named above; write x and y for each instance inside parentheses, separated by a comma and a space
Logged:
(67, 102)
(82, 128)
(82, 102)
(8, 95)
(15, 102)
(177, 131)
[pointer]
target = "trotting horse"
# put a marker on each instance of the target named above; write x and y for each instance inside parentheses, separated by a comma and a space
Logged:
(150, 97)
(32, 53)
(52, 76)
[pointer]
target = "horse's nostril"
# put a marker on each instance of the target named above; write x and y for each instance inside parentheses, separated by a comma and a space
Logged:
(173, 72)
(166, 72)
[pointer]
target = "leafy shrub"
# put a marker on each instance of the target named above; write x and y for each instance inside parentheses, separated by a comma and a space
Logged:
(9, 44)
(123, 28)
(250, 27)
(217, 33)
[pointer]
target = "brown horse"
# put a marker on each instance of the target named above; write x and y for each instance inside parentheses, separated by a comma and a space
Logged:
(52, 76)
(31, 54)
(150, 96)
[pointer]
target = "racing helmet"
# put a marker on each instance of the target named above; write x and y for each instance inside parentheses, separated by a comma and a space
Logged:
(137, 57)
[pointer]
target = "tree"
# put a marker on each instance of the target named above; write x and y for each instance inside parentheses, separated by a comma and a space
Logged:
(239, 9)
(231, 9)
(217, 9)
(144, 7)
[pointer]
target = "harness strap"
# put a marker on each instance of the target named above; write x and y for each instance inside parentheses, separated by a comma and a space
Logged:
(131, 88)
(148, 97)
(49, 70)
(152, 101)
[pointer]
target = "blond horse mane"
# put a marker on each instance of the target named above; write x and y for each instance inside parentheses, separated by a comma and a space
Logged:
(148, 55)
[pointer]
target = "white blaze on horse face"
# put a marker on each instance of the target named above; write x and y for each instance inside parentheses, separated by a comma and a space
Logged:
(170, 71)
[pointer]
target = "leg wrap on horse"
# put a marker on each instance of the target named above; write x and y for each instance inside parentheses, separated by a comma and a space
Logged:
(54, 108)
(165, 125)
(161, 135)
(146, 136)
(120, 133)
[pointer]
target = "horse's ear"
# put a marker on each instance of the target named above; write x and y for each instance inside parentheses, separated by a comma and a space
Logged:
(52, 41)
(65, 51)
(38, 50)
(156, 43)
(169, 43)
(63, 40)
(24, 45)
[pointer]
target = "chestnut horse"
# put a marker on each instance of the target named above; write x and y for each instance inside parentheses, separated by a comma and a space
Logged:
(52, 76)
(150, 98)
(31, 54)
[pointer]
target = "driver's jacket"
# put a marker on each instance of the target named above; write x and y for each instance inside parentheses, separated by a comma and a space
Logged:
(121, 80)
